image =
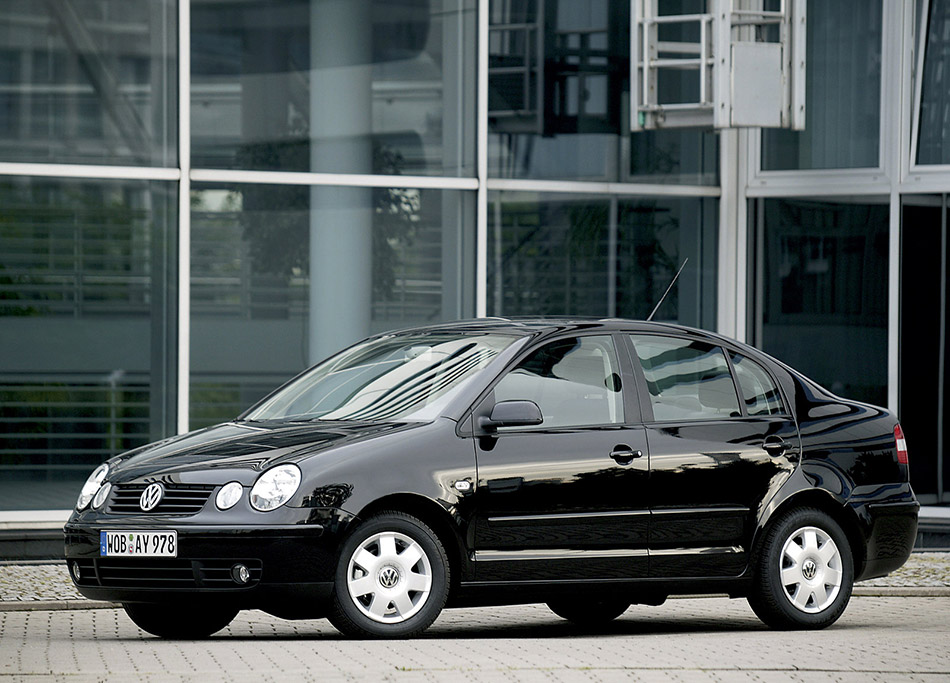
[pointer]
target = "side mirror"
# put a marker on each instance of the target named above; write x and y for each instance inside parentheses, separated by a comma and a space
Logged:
(512, 414)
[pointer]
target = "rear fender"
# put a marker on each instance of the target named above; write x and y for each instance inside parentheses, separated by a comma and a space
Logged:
(802, 490)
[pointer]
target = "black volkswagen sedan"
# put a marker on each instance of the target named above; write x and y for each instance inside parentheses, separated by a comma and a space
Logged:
(586, 464)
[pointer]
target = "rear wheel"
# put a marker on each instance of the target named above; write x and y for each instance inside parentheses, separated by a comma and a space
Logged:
(589, 613)
(392, 579)
(185, 623)
(803, 572)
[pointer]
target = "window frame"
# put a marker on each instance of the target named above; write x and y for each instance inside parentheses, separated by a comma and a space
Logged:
(818, 178)
(783, 405)
(643, 393)
(630, 403)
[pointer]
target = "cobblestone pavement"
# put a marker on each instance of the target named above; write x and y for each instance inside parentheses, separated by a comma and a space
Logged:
(922, 570)
(28, 583)
(691, 640)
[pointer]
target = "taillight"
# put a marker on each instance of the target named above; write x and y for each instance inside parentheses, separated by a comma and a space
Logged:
(901, 445)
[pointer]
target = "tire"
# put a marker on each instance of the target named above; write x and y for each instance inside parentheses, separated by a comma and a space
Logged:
(803, 572)
(181, 623)
(589, 613)
(392, 579)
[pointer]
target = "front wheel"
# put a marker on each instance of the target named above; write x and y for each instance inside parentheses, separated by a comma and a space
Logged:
(392, 579)
(169, 621)
(804, 572)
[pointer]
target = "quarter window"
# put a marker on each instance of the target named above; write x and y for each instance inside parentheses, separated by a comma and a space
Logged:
(575, 382)
(759, 393)
(686, 380)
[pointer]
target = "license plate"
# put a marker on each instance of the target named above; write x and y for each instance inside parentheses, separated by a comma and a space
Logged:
(138, 544)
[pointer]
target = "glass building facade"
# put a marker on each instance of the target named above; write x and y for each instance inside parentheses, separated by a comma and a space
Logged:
(201, 198)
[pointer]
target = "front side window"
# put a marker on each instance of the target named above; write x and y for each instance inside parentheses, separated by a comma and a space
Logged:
(759, 392)
(575, 382)
(686, 380)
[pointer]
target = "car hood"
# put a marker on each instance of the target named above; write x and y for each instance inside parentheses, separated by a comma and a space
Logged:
(248, 447)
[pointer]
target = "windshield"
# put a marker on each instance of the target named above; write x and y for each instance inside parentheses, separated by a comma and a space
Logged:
(397, 377)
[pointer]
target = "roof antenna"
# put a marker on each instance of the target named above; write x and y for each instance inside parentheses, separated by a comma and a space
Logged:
(663, 298)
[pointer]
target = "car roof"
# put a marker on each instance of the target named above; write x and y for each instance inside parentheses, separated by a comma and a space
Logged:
(524, 326)
(543, 326)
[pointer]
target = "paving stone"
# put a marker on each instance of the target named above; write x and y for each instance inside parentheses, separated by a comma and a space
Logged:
(878, 639)
(689, 640)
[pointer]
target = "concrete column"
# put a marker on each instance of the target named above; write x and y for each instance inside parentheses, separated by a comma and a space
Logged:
(341, 218)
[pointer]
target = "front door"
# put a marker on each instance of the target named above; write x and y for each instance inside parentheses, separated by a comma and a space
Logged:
(565, 499)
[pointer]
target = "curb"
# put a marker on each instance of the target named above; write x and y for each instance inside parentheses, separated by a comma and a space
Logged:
(54, 605)
(902, 591)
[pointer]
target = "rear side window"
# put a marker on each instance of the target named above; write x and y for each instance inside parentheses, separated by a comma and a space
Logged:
(687, 380)
(759, 393)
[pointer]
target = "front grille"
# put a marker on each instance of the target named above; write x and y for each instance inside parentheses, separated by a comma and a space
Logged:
(170, 573)
(179, 499)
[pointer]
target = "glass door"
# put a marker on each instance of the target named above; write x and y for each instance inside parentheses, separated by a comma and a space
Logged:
(923, 341)
(819, 276)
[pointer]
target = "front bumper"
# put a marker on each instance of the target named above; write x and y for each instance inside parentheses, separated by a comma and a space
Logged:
(291, 563)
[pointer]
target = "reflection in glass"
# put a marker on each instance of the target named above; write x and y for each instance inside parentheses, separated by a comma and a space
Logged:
(759, 393)
(685, 155)
(289, 275)
(89, 81)
(575, 382)
(842, 92)
(609, 256)
(334, 86)
(86, 310)
(686, 380)
(822, 274)
(558, 84)
(924, 344)
(398, 377)
(933, 146)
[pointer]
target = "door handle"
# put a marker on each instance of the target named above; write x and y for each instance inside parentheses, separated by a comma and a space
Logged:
(775, 445)
(624, 455)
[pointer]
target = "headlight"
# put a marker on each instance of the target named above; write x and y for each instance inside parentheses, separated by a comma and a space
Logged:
(92, 485)
(101, 495)
(275, 487)
(229, 495)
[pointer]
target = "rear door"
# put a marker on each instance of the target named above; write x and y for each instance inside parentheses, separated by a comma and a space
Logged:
(717, 452)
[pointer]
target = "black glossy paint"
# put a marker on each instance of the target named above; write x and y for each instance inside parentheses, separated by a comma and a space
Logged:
(678, 507)
(708, 480)
(561, 489)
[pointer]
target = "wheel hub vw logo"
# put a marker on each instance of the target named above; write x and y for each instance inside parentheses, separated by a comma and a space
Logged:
(151, 497)
(388, 577)
(809, 569)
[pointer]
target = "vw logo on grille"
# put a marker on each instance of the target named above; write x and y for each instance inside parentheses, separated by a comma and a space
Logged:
(151, 497)
(388, 577)
(809, 569)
